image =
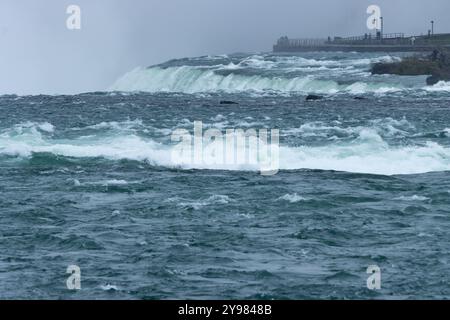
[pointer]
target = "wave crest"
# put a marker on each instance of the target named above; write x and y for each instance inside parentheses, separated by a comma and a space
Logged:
(187, 79)
(366, 151)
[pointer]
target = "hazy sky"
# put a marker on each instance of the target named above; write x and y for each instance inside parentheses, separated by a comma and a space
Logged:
(38, 54)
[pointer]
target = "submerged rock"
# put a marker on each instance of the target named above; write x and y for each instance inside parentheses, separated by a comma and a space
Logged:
(312, 97)
(228, 102)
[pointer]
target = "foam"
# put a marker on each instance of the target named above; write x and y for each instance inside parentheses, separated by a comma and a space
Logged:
(198, 204)
(366, 152)
(293, 198)
(412, 198)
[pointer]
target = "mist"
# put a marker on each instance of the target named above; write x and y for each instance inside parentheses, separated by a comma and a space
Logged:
(39, 54)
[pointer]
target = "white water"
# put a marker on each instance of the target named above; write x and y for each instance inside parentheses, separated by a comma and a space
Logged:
(367, 153)
(292, 198)
(195, 80)
(293, 74)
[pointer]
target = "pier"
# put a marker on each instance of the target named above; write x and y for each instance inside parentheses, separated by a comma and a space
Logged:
(391, 42)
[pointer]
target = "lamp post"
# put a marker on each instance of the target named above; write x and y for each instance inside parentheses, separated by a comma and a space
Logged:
(432, 27)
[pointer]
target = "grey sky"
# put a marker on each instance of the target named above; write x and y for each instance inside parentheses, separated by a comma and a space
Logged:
(39, 55)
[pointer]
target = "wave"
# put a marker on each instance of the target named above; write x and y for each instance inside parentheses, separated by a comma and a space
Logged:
(109, 287)
(293, 198)
(412, 198)
(371, 158)
(187, 79)
(113, 125)
(198, 204)
(441, 86)
(367, 152)
(259, 73)
(387, 128)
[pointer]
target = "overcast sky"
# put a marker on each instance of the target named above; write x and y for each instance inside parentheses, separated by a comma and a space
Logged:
(38, 54)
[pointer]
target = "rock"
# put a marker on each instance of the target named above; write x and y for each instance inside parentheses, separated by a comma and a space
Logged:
(407, 67)
(436, 66)
(431, 81)
(228, 102)
(360, 98)
(313, 97)
(437, 77)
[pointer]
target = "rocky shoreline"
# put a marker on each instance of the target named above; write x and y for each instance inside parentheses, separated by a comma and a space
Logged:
(435, 65)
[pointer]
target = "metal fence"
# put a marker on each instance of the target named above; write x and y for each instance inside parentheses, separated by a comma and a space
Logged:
(301, 42)
(368, 39)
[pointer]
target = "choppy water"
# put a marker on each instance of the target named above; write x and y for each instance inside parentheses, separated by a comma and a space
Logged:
(88, 180)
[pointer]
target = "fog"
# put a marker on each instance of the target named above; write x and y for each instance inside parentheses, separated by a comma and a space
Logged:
(39, 54)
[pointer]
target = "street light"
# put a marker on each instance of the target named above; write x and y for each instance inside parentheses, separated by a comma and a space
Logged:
(432, 27)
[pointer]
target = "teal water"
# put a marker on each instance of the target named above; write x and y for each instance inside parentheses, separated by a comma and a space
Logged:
(88, 180)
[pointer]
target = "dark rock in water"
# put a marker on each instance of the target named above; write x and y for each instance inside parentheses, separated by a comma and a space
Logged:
(412, 66)
(312, 97)
(432, 80)
(360, 98)
(436, 65)
(228, 102)
(439, 76)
